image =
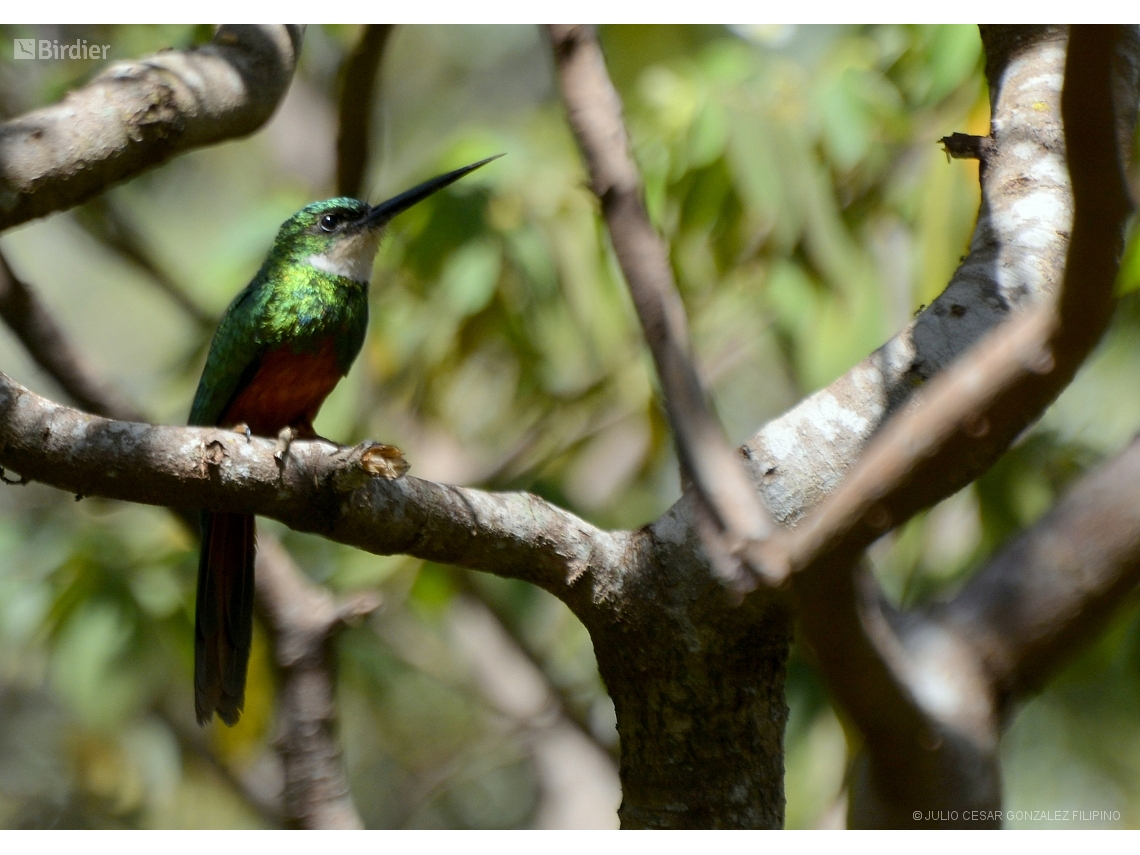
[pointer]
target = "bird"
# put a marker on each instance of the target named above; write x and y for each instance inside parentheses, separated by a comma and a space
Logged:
(281, 347)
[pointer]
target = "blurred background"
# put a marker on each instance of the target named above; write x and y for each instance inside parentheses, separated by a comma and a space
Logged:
(795, 172)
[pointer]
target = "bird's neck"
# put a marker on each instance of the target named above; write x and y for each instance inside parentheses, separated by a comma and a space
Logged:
(350, 258)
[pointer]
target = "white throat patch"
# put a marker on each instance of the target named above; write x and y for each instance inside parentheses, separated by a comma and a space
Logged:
(351, 258)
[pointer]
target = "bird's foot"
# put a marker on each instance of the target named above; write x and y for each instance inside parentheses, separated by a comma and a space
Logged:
(243, 429)
(386, 461)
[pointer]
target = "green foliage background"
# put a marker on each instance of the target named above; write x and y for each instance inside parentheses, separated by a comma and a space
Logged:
(810, 212)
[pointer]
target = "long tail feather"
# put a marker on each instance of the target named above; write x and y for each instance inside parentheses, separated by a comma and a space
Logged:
(223, 623)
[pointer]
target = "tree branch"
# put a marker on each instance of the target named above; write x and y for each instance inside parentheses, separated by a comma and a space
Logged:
(103, 220)
(732, 519)
(358, 82)
(1017, 257)
(33, 324)
(138, 114)
(1055, 587)
(957, 428)
(968, 417)
(303, 618)
(320, 488)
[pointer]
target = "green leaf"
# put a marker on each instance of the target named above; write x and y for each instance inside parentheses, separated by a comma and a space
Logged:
(470, 276)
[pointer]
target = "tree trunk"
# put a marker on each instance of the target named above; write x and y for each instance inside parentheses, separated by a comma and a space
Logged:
(698, 685)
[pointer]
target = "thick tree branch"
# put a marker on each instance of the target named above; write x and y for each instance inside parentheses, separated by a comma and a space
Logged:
(1056, 585)
(1016, 259)
(967, 417)
(320, 488)
(953, 432)
(732, 519)
(359, 76)
(140, 113)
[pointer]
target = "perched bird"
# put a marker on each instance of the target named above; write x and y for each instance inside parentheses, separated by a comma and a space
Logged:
(282, 345)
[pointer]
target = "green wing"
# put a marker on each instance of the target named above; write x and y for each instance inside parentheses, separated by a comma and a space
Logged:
(234, 355)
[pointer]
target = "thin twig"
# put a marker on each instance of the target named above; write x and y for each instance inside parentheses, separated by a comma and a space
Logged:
(359, 77)
(27, 316)
(735, 520)
(566, 704)
(105, 222)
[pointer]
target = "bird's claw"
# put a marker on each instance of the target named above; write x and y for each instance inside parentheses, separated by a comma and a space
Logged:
(243, 429)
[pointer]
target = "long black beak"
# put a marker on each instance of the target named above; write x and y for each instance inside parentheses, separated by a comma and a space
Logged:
(385, 211)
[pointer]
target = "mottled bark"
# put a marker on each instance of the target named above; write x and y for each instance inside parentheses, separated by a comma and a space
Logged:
(140, 113)
(1016, 259)
(919, 693)
(698, 686)
(316, 487)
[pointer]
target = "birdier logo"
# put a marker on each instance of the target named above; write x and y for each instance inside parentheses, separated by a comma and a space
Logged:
(52, 49)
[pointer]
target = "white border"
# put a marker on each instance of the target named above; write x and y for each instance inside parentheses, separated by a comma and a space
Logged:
(597, 11)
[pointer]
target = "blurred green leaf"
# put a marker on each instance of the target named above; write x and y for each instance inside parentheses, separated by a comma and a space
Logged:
(470, 275)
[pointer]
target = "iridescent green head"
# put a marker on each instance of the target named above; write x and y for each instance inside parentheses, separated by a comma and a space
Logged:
(340, 236)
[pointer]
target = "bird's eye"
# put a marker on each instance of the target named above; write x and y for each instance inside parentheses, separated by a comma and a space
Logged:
(329, 222)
